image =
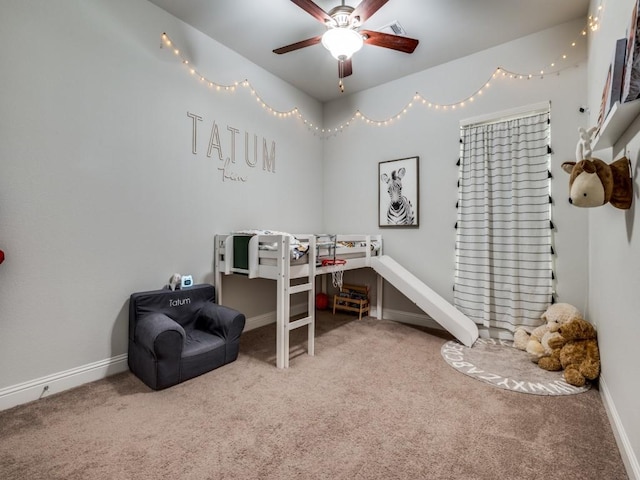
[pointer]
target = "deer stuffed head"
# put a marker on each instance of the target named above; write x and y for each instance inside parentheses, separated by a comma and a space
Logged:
(593, 182)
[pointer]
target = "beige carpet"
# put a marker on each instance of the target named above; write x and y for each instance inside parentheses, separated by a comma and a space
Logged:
(376, 402)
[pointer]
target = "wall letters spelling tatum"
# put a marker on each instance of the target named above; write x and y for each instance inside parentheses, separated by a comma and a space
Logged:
(228, 165)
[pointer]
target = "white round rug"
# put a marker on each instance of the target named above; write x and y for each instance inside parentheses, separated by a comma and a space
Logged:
(498, 363)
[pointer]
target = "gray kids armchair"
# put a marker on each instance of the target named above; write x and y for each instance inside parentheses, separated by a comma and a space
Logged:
(178, 335)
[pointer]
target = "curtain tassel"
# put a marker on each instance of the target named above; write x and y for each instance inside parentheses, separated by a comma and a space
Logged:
(550, 199)
(549, 175)
(552, 250)
(551, 225)
(553, 276)
(456, 226)
(458, 163)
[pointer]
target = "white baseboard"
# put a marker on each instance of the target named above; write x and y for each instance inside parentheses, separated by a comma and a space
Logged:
(271, 317)
(419, 319)
(259, 321)
(624, 445)
(59, 382)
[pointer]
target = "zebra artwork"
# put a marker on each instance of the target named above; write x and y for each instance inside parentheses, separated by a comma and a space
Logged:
(400, 211)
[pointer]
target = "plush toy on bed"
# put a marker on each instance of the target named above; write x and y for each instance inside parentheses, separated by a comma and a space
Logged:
(175, 281)
(576, 351)
(594, 182)
(536, 343)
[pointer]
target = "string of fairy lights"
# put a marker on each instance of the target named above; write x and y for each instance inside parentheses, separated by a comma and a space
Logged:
(558, 65)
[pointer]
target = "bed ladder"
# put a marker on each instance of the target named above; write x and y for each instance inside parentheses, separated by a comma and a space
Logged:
(286, 291)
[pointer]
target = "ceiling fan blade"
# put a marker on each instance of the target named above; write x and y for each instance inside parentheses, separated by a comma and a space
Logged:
(345, 68)
(394, 42)
(366, 8)
(298, 45)
(314, 10)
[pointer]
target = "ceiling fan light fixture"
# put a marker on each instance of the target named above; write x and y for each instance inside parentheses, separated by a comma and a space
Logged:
(342, 42)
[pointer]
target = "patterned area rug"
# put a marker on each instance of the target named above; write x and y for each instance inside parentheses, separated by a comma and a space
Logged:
(498, 363)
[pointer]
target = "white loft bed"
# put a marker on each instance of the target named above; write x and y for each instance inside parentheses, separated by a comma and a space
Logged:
(276, 256)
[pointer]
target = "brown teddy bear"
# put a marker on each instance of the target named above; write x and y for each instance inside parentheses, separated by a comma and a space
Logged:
(536, 342)
(575, 350)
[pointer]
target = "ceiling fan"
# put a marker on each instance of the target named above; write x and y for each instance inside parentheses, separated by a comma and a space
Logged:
(344, 37)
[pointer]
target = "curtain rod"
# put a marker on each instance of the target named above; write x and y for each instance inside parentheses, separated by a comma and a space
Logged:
(505, 115)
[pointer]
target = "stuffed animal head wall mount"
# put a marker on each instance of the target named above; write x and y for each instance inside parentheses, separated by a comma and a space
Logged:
(593, 182)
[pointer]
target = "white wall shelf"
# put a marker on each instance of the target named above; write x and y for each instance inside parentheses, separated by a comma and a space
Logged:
(618, 120)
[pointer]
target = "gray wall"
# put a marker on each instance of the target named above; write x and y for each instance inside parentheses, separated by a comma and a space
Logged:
(428, 252)
(614, 255)
(100, 193)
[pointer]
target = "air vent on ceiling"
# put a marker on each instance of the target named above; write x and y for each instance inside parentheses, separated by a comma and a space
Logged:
(394, 28)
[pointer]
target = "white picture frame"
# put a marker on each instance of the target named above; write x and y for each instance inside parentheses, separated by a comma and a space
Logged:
(399, 193)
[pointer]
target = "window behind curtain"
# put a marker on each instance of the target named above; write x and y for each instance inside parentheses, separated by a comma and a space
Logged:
(503, 273)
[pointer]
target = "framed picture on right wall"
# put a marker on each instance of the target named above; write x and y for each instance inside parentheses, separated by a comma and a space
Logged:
(631, 79)
(612, 91)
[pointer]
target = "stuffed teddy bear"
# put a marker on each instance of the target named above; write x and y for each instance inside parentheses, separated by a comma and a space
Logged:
(593, 182)
(576, 351)
(536, 343)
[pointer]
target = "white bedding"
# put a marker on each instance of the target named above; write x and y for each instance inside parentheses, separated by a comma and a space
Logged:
(298, 249)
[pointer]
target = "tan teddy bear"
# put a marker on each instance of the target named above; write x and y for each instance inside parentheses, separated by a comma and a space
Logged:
(536, 343)
(575, 350)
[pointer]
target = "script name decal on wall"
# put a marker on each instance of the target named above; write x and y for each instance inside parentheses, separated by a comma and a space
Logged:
(228, 164)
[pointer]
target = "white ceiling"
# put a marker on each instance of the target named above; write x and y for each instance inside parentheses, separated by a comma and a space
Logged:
(446, 29)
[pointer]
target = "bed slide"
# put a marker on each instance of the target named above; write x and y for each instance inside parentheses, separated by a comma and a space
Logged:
(448, 316)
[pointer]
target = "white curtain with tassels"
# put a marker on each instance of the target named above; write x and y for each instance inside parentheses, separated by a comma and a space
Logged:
(503, 273)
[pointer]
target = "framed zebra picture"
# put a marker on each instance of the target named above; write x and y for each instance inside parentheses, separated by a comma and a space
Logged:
(398, 193)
